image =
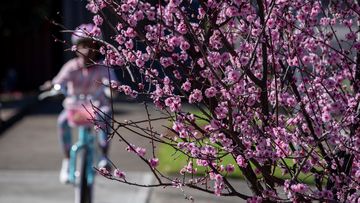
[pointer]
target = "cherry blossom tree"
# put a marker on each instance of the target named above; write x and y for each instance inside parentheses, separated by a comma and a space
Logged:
(276, 83)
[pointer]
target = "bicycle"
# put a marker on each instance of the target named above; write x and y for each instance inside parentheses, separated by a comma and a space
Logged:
(82, 153)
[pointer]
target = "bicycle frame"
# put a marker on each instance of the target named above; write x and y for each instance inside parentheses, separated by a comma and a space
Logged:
(85, 144)
(82, 153)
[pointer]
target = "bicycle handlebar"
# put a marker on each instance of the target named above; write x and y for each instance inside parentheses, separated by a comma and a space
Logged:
(56, 90)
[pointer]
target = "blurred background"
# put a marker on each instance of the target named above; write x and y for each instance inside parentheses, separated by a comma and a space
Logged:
(30, 53)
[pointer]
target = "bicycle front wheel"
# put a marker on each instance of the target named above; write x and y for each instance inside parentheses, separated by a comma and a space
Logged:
(83, 190)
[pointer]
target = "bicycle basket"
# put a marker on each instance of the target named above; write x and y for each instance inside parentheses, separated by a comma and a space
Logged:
(79, 113)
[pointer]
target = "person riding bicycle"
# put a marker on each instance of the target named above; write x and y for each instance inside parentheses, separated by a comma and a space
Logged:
(80, 76)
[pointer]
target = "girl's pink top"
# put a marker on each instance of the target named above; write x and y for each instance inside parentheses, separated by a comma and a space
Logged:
(87, 81)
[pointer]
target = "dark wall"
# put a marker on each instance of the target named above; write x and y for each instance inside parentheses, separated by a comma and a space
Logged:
(27, 39)
(28, 49)
(74, 13)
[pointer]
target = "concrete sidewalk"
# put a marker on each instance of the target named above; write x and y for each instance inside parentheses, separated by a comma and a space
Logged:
(30, 159)
(44, 187)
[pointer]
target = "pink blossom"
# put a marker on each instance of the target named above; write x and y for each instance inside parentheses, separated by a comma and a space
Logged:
(139, 62)
(125, 88)
(104, 171)
(299, 188)
(254, 199)
(140, 151)
(357, 46)
(201, 12)
(130, 32)
(174, 41)
(174, 2)
(95, 6)
(141, 86)
(271, 23)
(139, 15)
(232, 11)
(241, 161)
(174, 103)
(195, 96)
(154, 162)
(221, 112)
(129, 44)
(150, 15)
(215, 59)
(184, 45)
(218, 177)
(182, 28)
(348, 22)
(166, 61)
(95, 32)
(120, 39)
(186, 86)
(230, 168)
(184, 56)
(326, 117)
(119, 174)
(219, 184)
(238, 2)
(97, 20)
(189, 168)
(215, 40)
(325, 21)
(119, 26)
(102, 50)
(210, 92)
(177, 74)
(134, 94)
(132, 2)
(233, 76)
(125, 7)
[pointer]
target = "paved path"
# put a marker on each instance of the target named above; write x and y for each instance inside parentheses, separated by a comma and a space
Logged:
(30, 159)
(44, 187)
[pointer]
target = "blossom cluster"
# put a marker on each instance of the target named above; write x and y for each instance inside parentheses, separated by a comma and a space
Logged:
(276, 83)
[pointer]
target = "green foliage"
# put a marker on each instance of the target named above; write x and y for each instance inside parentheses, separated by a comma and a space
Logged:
(172, 161)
